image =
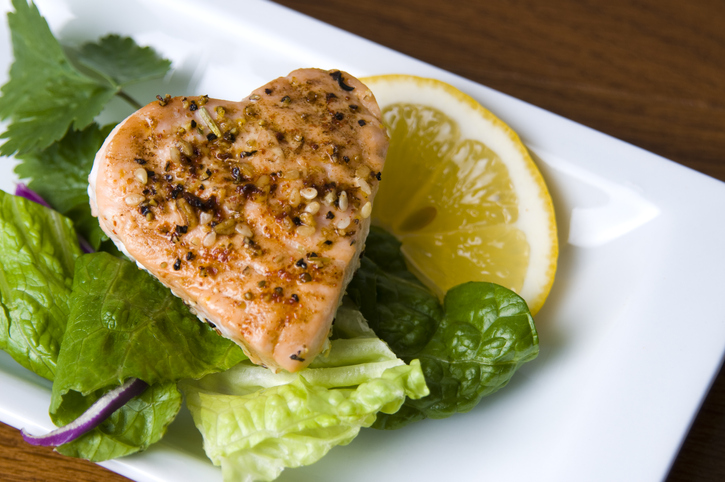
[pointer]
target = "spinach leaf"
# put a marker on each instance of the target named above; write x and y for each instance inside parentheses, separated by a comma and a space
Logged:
(468, 348)
(69, 160)
(38, 248)
(395, 304)
(125, 324)
(486, 334)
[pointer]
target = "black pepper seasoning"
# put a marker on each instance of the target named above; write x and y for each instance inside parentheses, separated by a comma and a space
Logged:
(361, 122)
(177, 264)
(176, 191)
(295, 298)
(337, 75)
(163, 100)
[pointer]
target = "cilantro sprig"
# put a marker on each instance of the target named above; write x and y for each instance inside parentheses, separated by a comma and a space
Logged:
(59, 174)
(52, 89)
(51, 100)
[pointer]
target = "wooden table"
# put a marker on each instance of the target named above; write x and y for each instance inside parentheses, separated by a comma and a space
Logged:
(649, 72)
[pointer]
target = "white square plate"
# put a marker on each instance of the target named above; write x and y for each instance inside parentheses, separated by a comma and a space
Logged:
(631, 336)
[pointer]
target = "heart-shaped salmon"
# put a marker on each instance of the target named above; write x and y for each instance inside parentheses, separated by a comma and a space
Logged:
(253, 212)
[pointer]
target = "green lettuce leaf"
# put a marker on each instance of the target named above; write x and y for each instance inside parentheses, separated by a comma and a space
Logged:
(59, 174)
(38, 248)
(469, 348)
(47, 94)
(135, 426)
(255, 423)
(125, 324)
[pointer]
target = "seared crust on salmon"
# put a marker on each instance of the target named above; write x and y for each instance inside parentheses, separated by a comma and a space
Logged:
(253, 212)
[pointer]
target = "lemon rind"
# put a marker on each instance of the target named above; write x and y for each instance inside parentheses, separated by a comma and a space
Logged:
(536, 213)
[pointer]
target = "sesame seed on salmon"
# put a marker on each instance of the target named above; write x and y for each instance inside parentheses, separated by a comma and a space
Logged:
(254, 212)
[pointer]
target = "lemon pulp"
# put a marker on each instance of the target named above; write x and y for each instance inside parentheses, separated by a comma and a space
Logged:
(461, 192)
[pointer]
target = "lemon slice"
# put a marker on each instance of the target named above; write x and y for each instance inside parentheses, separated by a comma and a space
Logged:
(461, 192)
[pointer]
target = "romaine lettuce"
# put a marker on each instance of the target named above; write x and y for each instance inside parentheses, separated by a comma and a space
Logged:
(125, 324)
(255, 423)
(38, 247)
(141, 422)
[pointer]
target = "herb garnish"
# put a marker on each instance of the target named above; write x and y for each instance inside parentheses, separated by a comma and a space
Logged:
(52, 89)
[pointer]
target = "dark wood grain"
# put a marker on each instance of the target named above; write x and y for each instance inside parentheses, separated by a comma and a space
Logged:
(649, 72)
(20, 462)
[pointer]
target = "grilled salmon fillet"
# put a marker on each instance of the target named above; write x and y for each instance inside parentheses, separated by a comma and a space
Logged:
(254, 212)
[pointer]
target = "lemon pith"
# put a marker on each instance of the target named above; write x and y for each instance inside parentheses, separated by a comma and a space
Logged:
(461, 191)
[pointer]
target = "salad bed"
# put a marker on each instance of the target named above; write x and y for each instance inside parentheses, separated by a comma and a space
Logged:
(90, 322)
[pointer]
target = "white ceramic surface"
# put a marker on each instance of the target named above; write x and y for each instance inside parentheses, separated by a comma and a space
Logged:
(631, 336)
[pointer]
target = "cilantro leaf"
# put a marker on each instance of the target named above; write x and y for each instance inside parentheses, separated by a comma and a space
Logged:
(121, 61)
(47, 94)
(59, 174)
(71, 160)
